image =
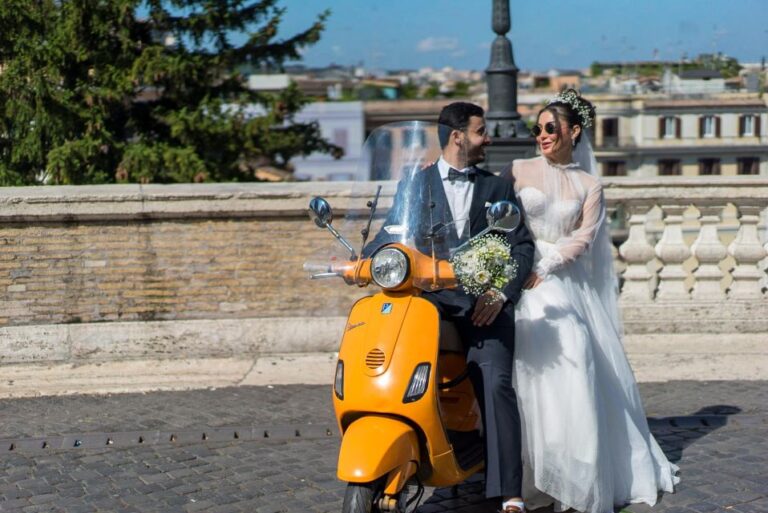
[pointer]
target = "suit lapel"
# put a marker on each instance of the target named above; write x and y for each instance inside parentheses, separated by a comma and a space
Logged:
(441, 213)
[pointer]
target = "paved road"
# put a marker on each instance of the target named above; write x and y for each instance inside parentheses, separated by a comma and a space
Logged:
(267, 450)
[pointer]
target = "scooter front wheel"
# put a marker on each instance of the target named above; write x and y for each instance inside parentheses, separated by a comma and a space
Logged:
(363, 497)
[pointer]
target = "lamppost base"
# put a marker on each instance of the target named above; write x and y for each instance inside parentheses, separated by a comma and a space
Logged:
(500, 154)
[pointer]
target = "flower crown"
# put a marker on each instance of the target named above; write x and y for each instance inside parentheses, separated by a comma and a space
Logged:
(571, 98)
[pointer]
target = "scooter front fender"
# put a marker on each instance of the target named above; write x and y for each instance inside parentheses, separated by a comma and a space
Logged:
(373, 446)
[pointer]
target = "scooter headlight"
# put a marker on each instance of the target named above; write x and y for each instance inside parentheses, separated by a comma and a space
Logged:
(338, 382)
(389, 268)
(419, 383)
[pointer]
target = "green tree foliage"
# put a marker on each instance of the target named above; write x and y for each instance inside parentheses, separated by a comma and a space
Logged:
(99, 91)
(461, 90)
(409, 91)
(433, 91)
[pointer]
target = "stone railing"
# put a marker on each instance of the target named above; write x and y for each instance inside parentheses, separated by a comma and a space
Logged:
(694, 255)
(89, 274)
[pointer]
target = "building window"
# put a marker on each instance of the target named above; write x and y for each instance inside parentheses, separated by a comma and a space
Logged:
(614, 168)
(669, 127)
(709, 126)
(749, 126)
(709, 167)
(610, 132)
(749, 166)
(669, 167)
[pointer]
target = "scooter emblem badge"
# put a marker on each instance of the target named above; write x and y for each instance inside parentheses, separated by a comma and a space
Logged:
(386, 309)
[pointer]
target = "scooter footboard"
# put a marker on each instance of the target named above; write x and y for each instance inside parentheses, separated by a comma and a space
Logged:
(373, 446)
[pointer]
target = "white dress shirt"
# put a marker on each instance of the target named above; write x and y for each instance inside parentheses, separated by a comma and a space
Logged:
(459, 195)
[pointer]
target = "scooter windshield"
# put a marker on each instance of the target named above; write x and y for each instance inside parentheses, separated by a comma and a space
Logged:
(401, 164)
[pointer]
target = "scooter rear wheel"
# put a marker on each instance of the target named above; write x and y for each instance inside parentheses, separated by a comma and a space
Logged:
(362, 497)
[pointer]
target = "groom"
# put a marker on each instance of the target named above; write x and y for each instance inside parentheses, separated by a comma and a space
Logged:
(455, 192)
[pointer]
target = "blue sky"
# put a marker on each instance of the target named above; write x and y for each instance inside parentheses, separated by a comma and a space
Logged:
(545, 34)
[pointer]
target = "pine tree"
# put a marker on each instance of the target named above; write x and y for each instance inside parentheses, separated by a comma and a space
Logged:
(101, 91)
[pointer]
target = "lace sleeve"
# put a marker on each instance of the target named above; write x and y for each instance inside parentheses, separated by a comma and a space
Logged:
(568, 248)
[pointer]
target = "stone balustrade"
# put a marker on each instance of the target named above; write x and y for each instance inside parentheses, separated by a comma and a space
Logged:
(694, 255)
(99, 273)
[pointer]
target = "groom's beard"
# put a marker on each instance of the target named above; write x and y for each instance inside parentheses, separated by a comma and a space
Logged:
(475, 155)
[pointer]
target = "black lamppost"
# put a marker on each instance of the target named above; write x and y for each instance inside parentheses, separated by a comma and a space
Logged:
(511, 138)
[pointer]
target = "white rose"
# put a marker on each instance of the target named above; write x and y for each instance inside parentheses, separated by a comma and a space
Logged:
(482, 277)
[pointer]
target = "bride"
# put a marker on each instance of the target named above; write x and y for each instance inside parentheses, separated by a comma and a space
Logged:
(586, 440)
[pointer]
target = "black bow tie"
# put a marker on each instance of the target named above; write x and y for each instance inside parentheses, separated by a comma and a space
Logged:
(454, 175)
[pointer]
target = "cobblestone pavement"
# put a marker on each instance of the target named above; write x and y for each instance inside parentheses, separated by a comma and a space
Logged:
(717, 432)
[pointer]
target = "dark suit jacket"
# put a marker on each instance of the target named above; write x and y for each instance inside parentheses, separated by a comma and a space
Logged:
(427, 189)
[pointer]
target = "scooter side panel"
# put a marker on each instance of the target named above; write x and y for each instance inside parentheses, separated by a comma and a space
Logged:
(402, 338)
(406, 341)
(373, 446)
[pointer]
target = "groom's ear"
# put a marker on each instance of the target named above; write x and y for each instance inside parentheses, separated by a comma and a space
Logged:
(456, 136)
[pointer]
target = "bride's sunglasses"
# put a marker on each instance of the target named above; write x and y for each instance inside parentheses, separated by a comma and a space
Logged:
(549, 128)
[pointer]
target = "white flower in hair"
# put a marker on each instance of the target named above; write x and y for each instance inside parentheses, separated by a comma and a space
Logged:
(570, 97)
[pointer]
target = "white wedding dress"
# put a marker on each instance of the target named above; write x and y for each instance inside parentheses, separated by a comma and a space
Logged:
(586, 442)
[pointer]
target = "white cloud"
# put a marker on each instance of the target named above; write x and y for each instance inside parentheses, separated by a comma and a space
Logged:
(437, 44)
(459, 53)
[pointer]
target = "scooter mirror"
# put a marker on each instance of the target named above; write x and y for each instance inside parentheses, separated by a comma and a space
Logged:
(503, 216)
(320, 212)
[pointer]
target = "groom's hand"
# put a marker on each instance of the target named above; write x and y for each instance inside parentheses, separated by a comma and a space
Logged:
(532, 281)
(487, 307)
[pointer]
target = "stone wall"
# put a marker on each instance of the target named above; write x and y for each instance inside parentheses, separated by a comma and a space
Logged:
(124, 271)
(120, 272)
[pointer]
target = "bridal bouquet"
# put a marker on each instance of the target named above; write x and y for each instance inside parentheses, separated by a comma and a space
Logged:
(484, 264)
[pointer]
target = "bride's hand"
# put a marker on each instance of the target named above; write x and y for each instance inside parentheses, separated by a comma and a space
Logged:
(532, 281)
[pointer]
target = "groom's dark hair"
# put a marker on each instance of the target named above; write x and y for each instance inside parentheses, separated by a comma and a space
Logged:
(455, 116)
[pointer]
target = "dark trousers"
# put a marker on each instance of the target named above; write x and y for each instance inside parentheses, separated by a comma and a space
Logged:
(490, 351)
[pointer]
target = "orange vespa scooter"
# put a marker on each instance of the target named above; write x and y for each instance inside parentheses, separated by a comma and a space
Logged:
(404, 405)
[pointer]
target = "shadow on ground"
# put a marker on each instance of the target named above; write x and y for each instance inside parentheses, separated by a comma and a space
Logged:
(674, 434)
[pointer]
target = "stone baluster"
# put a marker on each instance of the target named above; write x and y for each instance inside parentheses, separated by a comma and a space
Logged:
(709, 252)
(636, 252)
(747, 250)
(765, 262)
(618, 265)
(673, 251)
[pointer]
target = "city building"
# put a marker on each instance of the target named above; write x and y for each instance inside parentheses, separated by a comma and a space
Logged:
(662, 135)
(342, 124)
(654, 118)
(696, 81)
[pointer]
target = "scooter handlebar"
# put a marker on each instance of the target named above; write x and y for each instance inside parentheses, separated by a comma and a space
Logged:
(317, 268)
(346, 270)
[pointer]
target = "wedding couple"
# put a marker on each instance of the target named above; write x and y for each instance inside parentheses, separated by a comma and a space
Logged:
(562, 415)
